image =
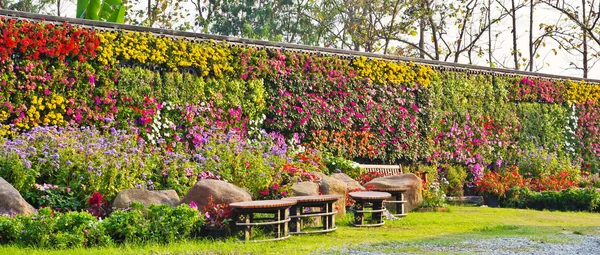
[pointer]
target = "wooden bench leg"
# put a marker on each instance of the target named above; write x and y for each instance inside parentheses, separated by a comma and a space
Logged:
(284, 215)
(326, 220)
(295, 222)
(247, 228)
(331, 209)
(377, 216)
(358, 216)
(401, 205)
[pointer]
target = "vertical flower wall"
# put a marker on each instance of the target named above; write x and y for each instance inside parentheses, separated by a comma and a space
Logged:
(172, 89)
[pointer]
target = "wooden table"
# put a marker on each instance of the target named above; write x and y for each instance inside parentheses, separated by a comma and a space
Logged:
(245, 212)
(327, 212)
(398, 199)
(376, 198)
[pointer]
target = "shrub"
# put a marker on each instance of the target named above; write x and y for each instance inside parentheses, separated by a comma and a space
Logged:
(127, 225)
(166, 224)
(53, 196)
(342, 165)
(217, 216)
(10, 228)
(455, 176)
(48, 229)
(566, 200)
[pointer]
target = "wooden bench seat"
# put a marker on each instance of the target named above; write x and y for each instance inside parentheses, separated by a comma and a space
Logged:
(385, 170)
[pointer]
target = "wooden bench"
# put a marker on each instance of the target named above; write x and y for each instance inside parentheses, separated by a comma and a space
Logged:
(327, 212)
(376, 198)
(245, 214)
(385, 170)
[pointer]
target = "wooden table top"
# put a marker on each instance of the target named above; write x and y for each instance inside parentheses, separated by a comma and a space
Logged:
(308, 199)
(260, 204)
(370, 195)
(392, 189)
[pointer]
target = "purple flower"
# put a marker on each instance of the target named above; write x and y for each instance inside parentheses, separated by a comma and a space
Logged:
(193, 205)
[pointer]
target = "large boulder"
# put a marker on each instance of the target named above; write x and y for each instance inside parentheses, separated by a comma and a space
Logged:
(11, 201)
(222, 193)
(330, 186)
(305, 189)
(146, 197)
(351, 183)
(414, 196)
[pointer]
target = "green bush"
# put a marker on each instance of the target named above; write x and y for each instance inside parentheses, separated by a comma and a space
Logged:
(342, 165)
(566, 200)
(166, 224)
(55, 230)
(127, 225)
(456, 176)
(10, 227)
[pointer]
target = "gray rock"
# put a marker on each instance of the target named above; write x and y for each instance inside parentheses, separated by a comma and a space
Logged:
(305, 189)
(222, 193)
(330, 186)
(146, 197)
(11, 201)
(414, 196)
(351, 183)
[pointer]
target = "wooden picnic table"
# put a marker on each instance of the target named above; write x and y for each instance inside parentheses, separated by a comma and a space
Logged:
(246, 212)
(374, 197)
(299, 211)
(398, 199)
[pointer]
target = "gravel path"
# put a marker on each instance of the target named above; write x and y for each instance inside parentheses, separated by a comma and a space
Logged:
(574, 244)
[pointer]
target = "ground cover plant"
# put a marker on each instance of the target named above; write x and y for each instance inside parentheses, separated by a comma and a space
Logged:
(418, 227)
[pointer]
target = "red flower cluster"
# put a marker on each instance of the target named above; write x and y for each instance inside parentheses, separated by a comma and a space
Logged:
(36, 40)
(217, 215)
(97, 205)
(496, 184)
(538, 91)
(367, 177)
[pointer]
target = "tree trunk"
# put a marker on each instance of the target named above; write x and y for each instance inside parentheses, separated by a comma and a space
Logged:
(531, 54)
(421, 38)
(514, 32)
(585, 46)
(489, 20)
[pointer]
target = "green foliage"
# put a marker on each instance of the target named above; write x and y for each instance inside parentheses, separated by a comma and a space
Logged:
(566, 200)
(56, 230)
(103, 10)
(543, 125)
(456, 176)
(534, 162)
(339, 164)
(166, 224)
(10, 228)
(48, 229)
(157, 224)
(53, 196)
(127, 225)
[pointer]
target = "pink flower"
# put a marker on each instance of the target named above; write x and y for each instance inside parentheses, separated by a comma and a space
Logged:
(193, 205)
(264, 192)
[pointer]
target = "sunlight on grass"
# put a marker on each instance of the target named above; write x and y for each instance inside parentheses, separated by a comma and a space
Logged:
(417, 228)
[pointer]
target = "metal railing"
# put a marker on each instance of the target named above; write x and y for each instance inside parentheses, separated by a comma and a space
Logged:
(348, 54)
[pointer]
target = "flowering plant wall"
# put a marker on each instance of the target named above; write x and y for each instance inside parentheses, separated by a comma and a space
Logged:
(175, 90)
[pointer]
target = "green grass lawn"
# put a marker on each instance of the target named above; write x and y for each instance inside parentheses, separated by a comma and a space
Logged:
(416, 228)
